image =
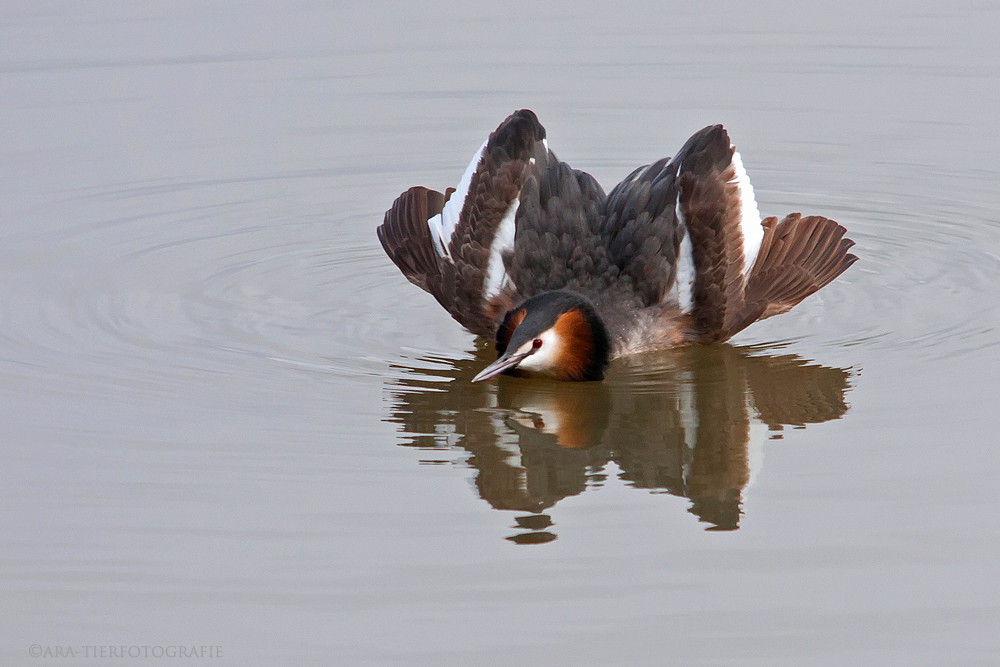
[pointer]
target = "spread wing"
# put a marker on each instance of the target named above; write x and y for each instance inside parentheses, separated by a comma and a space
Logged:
(682, 227)
(717, 210)
(688, 233)
(453, 245)
(798, 256)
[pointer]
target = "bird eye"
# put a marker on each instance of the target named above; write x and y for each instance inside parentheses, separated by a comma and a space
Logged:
(537, 343)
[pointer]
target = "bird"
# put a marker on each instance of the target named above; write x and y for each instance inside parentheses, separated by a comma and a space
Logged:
(532, 254)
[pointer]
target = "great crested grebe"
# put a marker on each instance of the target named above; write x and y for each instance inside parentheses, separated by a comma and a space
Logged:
(531, 253)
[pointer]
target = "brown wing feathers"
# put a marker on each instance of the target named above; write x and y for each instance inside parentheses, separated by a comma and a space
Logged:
(406, 238)
(495, 185)
(797, 257)
(710, 207)
(457, 280)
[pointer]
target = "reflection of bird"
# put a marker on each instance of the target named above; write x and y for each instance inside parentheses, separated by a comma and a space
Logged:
(533, 254)
(690, 422)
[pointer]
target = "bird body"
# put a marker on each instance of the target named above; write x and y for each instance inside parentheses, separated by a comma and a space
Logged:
(533, 254)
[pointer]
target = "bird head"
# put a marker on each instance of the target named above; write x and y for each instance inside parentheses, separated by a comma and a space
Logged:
(555, 334)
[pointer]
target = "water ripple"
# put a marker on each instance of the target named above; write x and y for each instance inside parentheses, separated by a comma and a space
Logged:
(170, 291)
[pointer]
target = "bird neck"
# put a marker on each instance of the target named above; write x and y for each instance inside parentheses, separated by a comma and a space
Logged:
(586, 345)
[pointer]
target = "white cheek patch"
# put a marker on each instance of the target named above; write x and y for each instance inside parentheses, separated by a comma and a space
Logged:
(443, 224)
(545, 357)
(753, 232)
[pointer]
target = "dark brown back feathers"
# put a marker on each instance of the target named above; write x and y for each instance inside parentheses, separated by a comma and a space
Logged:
(640, 229)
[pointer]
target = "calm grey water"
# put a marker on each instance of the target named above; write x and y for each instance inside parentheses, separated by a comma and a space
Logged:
(228, 421)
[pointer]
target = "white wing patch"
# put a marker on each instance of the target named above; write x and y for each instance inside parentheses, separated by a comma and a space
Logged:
(503, 241)
(753, 232)
(684, 280)
(443, 224)
(434, 222)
